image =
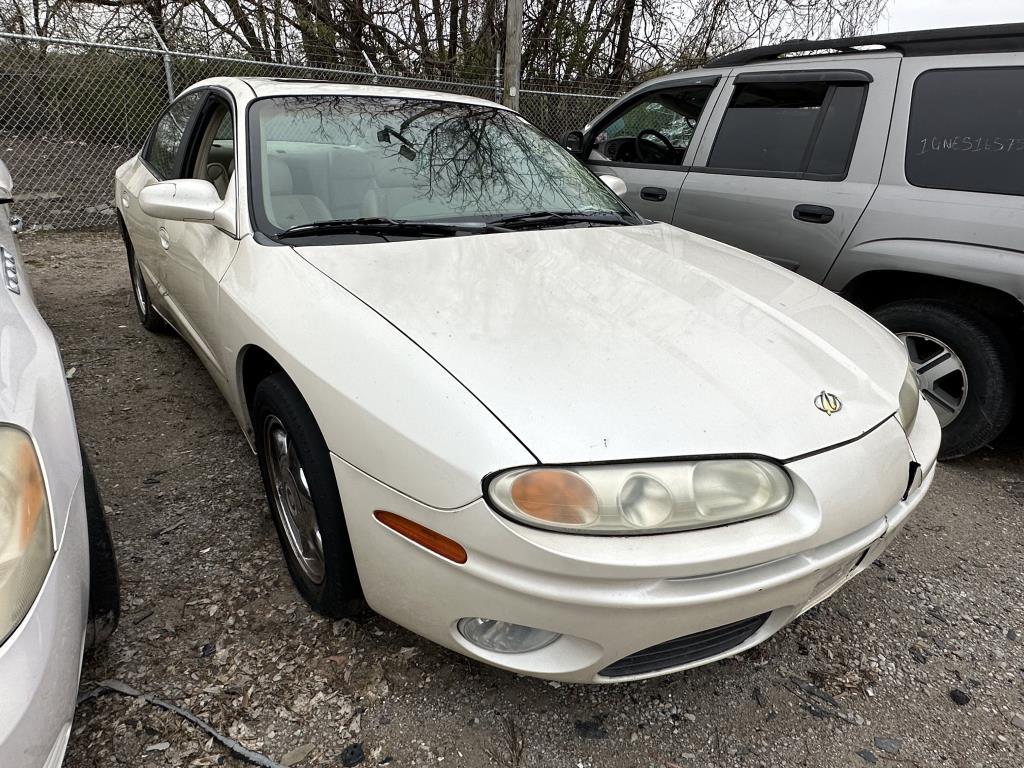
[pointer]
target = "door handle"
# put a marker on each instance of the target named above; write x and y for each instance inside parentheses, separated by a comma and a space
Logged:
(656, 194)
(165, 241)
(815, 214)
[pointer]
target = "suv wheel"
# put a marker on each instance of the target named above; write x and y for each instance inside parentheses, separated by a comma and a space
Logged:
(965, 366)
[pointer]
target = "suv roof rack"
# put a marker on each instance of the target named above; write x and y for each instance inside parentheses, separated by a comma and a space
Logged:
(926, 42)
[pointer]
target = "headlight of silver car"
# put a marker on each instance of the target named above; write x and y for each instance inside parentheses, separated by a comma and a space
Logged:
(652, 497)
(26, 538)
(910, 400)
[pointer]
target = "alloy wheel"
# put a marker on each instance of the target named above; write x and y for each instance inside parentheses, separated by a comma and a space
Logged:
(940, 372)
(139, 286)
(292, 500)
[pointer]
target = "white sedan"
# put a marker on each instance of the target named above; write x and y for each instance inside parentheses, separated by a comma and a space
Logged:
(58, 576)
(496, 404)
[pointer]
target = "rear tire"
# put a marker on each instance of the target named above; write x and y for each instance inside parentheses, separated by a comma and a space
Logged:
(302, 493)
(976, 411)
(148, 316)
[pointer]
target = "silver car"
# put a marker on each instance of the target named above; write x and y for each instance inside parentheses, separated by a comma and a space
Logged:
(58, 577)
(889, 168)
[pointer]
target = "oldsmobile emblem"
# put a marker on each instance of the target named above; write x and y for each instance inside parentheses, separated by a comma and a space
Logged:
(828, 403)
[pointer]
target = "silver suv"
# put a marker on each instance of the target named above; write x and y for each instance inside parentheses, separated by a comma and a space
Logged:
(889, 168)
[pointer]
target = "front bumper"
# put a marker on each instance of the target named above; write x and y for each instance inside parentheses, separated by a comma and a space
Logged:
(612, 597)
(40, 663)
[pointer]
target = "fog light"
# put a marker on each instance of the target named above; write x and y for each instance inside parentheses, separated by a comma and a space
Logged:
(505, 637)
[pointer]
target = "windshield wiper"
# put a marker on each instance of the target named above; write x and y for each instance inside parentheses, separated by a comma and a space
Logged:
(381, 225)
(560, 218)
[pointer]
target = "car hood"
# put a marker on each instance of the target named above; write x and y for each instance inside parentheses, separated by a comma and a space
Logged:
(608, 343)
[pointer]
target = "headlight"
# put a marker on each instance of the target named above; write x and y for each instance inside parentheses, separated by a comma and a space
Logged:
(910, 400)
(26, 539)
(641, 498)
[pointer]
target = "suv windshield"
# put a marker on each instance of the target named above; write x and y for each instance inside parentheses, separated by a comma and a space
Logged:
(344, 158)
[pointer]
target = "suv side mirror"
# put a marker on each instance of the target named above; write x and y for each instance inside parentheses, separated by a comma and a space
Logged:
(187, 200)
(573, 141)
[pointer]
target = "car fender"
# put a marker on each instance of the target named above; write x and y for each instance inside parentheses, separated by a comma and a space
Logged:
(382, 403)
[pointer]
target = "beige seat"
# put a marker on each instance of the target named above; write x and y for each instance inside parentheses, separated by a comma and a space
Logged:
(219, 176)
(350, 180)
(398, 189)
(288, 208)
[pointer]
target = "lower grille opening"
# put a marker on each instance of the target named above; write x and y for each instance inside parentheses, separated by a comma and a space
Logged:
(687, 649)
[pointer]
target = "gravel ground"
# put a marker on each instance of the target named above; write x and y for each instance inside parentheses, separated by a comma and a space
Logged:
(918, 662)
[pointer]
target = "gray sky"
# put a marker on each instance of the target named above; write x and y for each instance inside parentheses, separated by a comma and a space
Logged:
(928, 14)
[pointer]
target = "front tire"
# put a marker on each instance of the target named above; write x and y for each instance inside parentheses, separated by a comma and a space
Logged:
(304, 501)
(104, 583)
(965, 366)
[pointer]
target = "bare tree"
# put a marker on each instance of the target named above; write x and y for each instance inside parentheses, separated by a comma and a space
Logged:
(569, 41)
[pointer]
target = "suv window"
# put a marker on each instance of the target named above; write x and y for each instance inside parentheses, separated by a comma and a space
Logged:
(967, 130)
(805, 129)
(656, 129)
(162, 150)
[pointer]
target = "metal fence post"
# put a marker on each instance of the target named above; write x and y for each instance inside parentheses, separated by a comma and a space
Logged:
(497, 76)
(168, 72)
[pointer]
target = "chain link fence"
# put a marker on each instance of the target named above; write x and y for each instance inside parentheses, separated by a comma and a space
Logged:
(72, 111)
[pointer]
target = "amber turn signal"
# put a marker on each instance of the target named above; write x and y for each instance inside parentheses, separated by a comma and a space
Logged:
(432, 540)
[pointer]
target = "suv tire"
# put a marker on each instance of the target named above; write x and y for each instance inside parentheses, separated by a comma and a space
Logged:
(986, 407)
(302, 492)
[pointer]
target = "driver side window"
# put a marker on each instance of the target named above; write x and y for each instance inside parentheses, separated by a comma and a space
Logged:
(214, 158)
(655, 129)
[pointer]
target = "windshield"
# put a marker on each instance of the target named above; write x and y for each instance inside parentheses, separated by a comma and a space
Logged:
(330, 158)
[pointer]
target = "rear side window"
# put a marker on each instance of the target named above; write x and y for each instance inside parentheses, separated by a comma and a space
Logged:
(967, 130)
(790, 128)
(165, 142)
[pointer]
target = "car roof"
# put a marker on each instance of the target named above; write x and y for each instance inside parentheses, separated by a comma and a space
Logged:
(991, 38)
(279, 86)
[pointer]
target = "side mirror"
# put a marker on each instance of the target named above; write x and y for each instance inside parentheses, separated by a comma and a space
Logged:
(573, 141)
(614, 183)
(187, 200)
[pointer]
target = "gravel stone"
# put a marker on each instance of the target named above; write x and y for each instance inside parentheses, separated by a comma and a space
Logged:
(959, 697)
(352, 755)
(892, 746)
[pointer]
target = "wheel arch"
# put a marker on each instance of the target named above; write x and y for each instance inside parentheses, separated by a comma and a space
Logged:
(253, 366)
(875, 288)
(986, 279)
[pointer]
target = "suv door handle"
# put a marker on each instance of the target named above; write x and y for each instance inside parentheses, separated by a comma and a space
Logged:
(815, 214)
(657, 194)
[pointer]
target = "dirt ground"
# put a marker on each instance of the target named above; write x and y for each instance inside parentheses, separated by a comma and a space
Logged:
(918, 662)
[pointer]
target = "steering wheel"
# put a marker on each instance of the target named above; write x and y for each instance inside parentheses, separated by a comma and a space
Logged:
(639, 145)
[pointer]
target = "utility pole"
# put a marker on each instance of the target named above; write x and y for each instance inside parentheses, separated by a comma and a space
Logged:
(513, 52)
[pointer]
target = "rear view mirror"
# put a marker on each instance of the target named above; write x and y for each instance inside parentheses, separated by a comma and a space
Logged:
(614, 183)
(187, 200)
(573, 141)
